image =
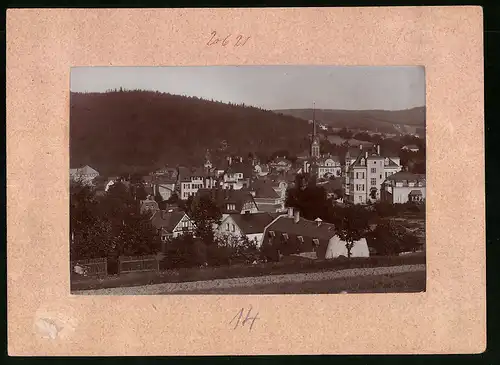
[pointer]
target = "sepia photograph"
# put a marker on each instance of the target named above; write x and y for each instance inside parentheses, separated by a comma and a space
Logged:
(247, 180)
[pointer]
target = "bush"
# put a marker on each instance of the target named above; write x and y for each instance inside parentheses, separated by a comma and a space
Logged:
(219, 255)
(179, 253)
(199, 253)
(269, 252)
(390, 239)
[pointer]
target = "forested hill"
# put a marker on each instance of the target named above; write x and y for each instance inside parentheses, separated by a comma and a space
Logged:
(387, 121)
(140, 130)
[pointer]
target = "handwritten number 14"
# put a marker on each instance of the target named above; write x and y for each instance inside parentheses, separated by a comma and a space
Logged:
(239, 320)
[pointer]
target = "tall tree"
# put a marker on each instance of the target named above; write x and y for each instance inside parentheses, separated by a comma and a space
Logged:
(205, 214)
(310, 199)
(351, 224)
(90, 233)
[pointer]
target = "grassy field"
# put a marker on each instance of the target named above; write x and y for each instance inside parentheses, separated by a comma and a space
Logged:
(287, 266)
(401, 283)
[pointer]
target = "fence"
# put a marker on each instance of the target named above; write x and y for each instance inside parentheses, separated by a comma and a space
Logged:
(90, 267)
(128, 264)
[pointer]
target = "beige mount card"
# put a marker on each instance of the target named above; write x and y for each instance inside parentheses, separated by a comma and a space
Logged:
(44, 319)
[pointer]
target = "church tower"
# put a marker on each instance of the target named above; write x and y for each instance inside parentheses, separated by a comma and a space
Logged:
(208, 163)
(315, 140)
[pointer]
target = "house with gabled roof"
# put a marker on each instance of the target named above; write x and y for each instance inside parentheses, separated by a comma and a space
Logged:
(266, 197)
(250, 226)
(171, 224)
(403, 187)
(230, 201)
(290, 234)
(164, 185)
(84, 174)
(193, 179)
(148, 206)
(237, 175)
(280, 163)
(411, 148)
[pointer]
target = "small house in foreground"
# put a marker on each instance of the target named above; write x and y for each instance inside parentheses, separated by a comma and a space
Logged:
(249, 225)
(171, 224)
(292, 234)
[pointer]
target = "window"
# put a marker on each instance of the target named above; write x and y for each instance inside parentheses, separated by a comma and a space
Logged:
(373, 170)
(380, 176)
(285, 236)
(374, 162)
(301, 239)
(227, 227)
(373, 181)
(232, 227)
(362, 161)
(315, 242)
(271, 233)
(360, 198)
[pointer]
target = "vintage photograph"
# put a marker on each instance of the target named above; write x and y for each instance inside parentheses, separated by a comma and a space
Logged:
(247, 180)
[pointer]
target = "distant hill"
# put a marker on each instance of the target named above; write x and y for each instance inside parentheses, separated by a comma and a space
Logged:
(387, 121)
(141, 130)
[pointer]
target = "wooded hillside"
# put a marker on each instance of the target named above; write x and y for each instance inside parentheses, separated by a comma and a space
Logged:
(141, 130)
(386, 121)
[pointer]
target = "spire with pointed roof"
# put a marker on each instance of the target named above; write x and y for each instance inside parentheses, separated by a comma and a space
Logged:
(315, 142)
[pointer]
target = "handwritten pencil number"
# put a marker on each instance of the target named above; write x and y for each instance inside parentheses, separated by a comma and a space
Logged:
(239, 41)
(240, 319)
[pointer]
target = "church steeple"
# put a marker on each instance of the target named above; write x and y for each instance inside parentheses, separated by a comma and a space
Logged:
(314, 121)
(315, 141)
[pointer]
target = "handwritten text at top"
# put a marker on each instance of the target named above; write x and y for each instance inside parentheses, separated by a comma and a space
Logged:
(227, 40)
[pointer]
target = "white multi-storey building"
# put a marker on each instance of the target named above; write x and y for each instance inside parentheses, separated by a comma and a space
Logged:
(366, 173)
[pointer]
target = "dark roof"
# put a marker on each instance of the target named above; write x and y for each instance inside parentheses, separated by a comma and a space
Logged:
(268, 208)
(323, 158)
(222, 197)
(280, 159)
(303, 227)
(264, 189)
(185, 174)
(405, 175)
(237, 167)
(354, 152)
(166, 220)
(252, 223)
(411, 146)
(392, 163)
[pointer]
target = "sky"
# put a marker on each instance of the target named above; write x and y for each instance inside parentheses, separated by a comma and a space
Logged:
(270, 87)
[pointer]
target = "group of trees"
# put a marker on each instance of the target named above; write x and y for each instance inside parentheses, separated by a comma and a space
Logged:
(108, 225)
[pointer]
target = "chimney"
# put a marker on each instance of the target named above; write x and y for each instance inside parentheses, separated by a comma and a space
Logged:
(360, 146)
(366, 154)
(378, 150)
(296, 216)
(290, 212)
(230, 160)
(241, 159)
(318, 221)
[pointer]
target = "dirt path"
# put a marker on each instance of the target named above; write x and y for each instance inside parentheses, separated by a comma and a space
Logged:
(175, 288)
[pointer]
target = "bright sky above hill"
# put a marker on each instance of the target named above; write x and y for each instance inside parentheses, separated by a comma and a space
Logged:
(270, 87)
